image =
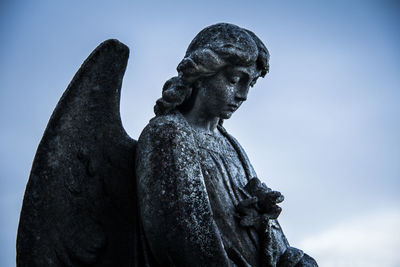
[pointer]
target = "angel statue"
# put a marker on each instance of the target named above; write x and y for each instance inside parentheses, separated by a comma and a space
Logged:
(184, 194)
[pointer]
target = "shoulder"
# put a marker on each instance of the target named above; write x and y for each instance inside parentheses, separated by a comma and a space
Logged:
(166, 148)
(166, 126)
(170, 130)
(171, 122)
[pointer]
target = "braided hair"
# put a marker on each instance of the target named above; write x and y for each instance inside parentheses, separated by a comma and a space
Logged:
(214, 48)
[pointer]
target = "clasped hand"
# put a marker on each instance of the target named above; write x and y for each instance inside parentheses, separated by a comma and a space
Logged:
(261, 207)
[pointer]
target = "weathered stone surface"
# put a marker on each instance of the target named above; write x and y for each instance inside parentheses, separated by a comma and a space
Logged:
(79, 206)
(185, 194)
(200, 200)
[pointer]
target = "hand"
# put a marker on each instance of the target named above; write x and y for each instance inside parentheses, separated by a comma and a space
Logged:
(257, 210)
(267, 199)
(248, 214)
(268, 203)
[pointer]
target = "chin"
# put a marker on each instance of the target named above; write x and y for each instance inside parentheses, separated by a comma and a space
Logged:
(226, 115)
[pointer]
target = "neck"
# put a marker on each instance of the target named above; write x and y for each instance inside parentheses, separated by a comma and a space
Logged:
(197, 119)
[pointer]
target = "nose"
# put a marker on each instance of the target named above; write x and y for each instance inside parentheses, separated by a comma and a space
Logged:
(241, 94)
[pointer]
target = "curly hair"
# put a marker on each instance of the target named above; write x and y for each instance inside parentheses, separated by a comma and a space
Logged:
(214, 48)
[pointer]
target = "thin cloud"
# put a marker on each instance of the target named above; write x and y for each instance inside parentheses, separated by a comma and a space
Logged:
(370, 240)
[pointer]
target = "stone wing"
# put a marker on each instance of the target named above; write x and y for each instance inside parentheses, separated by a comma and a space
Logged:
(79, 206)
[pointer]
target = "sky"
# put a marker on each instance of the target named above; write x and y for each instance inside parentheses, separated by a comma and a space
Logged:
(323, 126)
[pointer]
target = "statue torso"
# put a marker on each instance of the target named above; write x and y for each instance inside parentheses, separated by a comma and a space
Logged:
(225, 177)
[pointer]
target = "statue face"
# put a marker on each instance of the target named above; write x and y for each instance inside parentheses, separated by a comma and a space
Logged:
(222, 94)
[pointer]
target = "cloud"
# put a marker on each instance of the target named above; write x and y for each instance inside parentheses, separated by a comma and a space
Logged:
(370, 240)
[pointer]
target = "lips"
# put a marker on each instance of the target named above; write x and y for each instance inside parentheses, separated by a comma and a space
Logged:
(233, 107)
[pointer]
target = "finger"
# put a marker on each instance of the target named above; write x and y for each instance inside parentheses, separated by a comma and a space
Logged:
(253, 185)
(275, 196)
(275, 212)
(265, 187)
(280, 199)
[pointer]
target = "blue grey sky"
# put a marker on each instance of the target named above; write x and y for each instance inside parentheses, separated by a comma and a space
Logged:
(323, 127)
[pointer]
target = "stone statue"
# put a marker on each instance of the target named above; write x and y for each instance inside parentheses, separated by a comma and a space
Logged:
(184, 194)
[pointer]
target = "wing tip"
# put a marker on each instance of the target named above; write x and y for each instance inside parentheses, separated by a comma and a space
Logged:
(114, 44)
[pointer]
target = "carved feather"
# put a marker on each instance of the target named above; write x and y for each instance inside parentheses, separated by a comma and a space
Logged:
(79, 207)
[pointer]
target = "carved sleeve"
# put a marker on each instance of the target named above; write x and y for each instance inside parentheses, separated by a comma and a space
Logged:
(174, 206)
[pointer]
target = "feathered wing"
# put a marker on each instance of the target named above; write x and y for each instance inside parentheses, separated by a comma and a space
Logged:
(80, 205)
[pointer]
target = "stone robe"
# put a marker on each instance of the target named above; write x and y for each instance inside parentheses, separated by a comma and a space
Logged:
(188, 186)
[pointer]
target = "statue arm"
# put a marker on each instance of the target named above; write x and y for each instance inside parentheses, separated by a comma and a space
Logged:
(174, 206)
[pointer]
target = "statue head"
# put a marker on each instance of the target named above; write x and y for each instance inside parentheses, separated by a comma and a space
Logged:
(214, 49)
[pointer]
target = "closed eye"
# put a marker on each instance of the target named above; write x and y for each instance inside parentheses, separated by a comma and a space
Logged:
(234, 79)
